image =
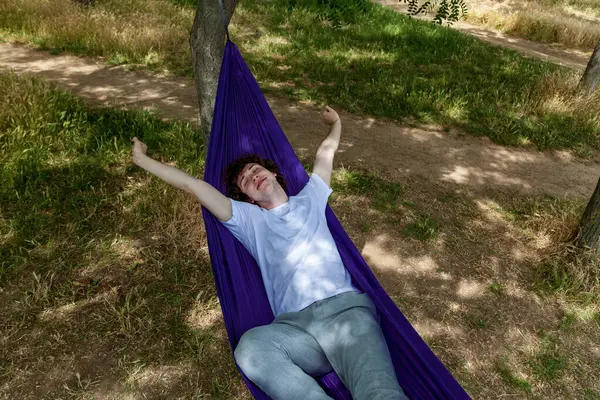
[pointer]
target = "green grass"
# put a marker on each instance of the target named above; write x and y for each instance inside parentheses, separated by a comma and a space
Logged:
(366, 60)
(477, 322)
(96, 257)
(385, 65)
(510, 378)
(567, 321)
(549, 363)
(424, 228)
(65, 162)
(572, 272)
(584, 4)
(365, 227)
(496, 288)
(590, 394)
(565, 269)
(384, 195)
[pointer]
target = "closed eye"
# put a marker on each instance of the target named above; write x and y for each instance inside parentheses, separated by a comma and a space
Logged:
(251, 171)
(245, 179)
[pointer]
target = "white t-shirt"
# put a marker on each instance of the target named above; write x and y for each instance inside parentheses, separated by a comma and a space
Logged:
(293, 247)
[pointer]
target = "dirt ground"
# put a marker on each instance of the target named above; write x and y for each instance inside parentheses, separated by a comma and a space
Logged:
(397, 150)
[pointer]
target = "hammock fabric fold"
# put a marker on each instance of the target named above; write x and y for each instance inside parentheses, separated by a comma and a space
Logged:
(244, 123)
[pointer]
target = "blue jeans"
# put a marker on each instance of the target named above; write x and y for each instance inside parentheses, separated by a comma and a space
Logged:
(340, 333)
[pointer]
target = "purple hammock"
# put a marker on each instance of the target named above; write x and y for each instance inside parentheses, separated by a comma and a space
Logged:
(244, 123)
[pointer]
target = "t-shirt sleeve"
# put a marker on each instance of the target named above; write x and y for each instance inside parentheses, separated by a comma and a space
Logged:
(320, 188)
(241, 223)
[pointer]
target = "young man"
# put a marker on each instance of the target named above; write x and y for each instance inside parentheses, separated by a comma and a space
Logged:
(322, 321)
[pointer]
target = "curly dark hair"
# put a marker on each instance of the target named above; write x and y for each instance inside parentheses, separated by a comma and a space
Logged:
(235, 168)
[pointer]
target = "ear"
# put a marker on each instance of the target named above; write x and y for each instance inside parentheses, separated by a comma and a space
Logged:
(274, 174)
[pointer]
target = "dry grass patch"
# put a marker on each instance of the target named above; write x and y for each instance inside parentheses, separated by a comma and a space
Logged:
(560, 95)
(550, 225)
(151, 33)
(574, 24)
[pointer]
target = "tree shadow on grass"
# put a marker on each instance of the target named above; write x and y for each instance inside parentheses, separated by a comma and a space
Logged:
(398, 68)
(102, 304)
(107, 288)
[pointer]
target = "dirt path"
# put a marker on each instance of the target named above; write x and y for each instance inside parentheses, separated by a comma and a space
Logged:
(398, 150)
(574, 59)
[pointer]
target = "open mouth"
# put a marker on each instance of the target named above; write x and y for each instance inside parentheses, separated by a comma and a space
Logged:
(260, 182)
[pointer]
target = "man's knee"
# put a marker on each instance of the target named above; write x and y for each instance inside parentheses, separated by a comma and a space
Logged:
(247, 353)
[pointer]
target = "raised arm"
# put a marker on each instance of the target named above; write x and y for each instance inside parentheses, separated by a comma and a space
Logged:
(214, 201)
(326, 152)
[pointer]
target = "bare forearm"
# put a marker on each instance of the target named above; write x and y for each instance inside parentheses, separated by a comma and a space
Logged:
(324, 160)
(332, 141)
(171, 175)
(209, 197)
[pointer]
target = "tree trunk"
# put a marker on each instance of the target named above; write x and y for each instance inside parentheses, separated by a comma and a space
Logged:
(207, 43)
(591, 76)
(589, 227)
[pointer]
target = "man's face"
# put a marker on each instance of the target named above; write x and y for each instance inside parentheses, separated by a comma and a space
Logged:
(257, 182)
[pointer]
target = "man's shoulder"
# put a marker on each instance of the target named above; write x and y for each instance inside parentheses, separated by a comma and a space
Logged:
(242, 210)
(315, 181)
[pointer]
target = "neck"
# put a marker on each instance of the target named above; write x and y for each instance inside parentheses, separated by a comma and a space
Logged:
(278, 198)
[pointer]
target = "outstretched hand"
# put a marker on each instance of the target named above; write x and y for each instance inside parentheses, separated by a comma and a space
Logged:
(139, 148)
(330, 116)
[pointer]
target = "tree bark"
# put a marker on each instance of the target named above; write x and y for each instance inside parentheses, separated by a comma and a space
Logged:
(207, 44)
(591, 76)
(589, 227)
